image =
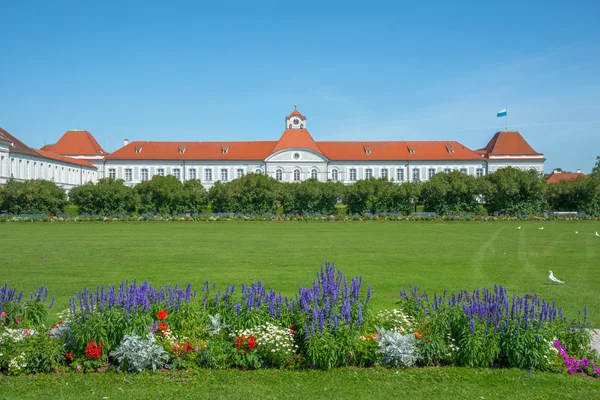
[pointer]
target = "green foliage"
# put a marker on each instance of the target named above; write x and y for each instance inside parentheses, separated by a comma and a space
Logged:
(167, 195)
(310, 196)
(106, 197)
(217, 354)
(452, 192)
(581, 194)
(514, 192)
(253, 194)
(32, 197)
(44, 354)
(380, 195)
(596, 170)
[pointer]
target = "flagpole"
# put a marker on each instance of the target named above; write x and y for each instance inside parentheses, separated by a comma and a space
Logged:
(506, 118)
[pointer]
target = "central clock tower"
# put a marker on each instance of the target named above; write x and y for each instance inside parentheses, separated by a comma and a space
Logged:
(295, 120)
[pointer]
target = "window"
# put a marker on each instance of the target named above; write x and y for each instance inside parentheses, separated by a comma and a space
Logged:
(416, 175)
(384, 173)
(400, 175)
(334, 175)
(352, 174)
(296, 174)
(240, 173)
(207, 174)
(128, 174)
(112, 173)
(177, 173)
(296, 156)
(431, 173)
(258, 171)
(144, 174)
(279, 175)
(463, 171)
(160, 172)
(368, 173)
(192, 174)
(447, 170)
(479, 172)
(314, 174)
(224, 176)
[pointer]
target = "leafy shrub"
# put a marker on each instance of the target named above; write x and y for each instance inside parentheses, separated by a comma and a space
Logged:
(44, 354)
(137, 354)
(217, 354)
(275, 345)
(396, 349)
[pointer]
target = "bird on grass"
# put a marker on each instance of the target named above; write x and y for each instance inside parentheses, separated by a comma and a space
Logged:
(541, 229)
(553, 279)
(519, 228)
(576, 232)
(597, 234)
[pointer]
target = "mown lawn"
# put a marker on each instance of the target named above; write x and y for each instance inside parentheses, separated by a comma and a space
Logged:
(375, 383)
(389, 255)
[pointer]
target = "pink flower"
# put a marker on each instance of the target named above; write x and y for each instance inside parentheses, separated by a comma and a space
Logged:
(3, 314)
(18, 320)
(597, 370)
(556, 343)
(572, 370)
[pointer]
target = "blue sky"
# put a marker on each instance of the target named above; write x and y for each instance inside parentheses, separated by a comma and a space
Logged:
(429, 70)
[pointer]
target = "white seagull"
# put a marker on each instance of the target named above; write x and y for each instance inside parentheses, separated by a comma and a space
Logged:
(519, 228)
(553, 279)
(576, 232)
(597, 233)
(541, 229)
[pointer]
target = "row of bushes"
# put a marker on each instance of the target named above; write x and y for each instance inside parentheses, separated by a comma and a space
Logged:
(509, 191)
(137, 326)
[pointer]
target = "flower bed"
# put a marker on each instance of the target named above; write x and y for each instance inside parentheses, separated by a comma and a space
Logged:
(137, 326)
(269, 217)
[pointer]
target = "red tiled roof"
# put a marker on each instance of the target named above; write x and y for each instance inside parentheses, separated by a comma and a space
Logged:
(296, 113)
(47, 147)
(508, 143)
(77, 142)
(194, 151)
(556, 177)
(16, 145)
(296, 138)
(388, 151)
(58, 157)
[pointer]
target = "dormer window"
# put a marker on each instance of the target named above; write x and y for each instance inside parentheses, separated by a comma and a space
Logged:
(450, 149)
(138, 149)
(181, 149)
(367, 149)
(224, 148)
(411, 150)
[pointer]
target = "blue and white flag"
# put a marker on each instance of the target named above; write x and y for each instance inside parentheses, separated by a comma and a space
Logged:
(502, 113)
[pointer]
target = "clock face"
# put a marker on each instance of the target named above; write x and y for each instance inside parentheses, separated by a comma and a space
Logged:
(296, 121)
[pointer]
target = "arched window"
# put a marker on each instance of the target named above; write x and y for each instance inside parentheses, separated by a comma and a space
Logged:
(296, 174)
(314, 174)
(279, 175)
(334, 175)
(258, 171)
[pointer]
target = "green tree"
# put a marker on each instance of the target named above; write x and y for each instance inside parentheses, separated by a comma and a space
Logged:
(380, 195)
(32, 197)
(312, 196)
(161, 194)
(193, 197)
(513, 192)
(596, 169)
(452, 192)
(106, 197)
(581, 194)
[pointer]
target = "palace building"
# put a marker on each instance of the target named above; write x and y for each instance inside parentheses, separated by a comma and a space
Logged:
(77, 158)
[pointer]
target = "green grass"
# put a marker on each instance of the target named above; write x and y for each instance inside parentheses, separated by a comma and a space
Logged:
(438, 383)
(389, 255)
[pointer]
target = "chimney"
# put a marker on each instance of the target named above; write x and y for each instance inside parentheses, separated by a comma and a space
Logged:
(556, 171)
(125, 142)
(578, 170)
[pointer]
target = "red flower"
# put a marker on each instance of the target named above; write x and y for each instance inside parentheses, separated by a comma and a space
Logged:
(293, 329)
(163, 328)
(418, 335)
(238, 342)
(69, 356)
(93, 349)
(162, 314)
(251, 343)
